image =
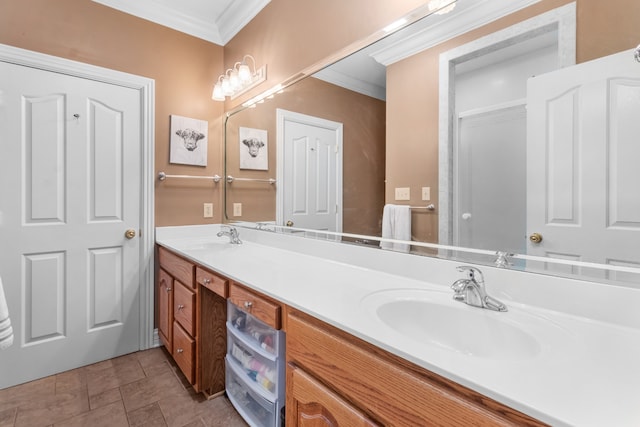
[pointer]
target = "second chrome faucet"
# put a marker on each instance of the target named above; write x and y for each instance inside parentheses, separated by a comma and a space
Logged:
(232, 233)
(471, 290)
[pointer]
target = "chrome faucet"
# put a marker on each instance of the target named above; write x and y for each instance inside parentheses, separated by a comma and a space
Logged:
(471, 290)
(234, 235)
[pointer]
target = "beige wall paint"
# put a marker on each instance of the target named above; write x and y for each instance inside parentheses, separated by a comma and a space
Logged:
(363, 120)
(291, 35)
(182, 66)
(412, 109)
(288, 35)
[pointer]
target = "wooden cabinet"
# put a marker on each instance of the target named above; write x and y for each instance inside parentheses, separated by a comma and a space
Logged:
(211, 315)
(191, 320)
(165, 309)
(311, 404)
(374, 386)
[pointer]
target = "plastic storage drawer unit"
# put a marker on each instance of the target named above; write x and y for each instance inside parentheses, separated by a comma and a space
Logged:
(255, 377)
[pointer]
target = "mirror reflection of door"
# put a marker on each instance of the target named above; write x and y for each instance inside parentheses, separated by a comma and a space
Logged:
(583, 162)
(489, 142)
(310, 170)
(491, 171)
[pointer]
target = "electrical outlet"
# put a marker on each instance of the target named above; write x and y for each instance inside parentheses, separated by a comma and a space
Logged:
(237, 209)
(403, 193)
(426, 193)
(208, 210)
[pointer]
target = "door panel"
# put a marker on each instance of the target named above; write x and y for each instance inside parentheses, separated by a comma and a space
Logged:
(582, 153)
(73, 155)
(312, 176)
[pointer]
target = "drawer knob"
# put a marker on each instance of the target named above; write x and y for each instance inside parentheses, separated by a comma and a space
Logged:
(207, 281)
(168, 289)
(179, 350)
(180, 306)
(248, 304)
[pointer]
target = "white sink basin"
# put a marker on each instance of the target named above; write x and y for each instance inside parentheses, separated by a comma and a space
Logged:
(435, 319)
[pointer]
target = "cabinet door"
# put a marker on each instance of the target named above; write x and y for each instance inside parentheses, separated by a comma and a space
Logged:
(184, 310)
(310, 404)
(165, 309)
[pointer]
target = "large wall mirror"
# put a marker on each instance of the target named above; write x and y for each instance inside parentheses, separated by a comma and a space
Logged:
(505, 126)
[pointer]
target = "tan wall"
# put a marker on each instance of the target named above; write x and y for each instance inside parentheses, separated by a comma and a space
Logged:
(363, 120)
(412, 100)
(288, 35)
(182, 66)
(291, 35)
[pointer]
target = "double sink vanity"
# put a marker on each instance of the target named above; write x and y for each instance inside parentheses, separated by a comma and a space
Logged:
(375, 337)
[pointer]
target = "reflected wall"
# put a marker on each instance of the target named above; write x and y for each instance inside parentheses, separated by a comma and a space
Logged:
(363, 120)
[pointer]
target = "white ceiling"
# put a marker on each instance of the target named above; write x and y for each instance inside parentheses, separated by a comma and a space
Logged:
(216, 21)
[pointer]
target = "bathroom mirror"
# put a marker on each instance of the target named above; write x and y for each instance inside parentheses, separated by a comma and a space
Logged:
(441, 123)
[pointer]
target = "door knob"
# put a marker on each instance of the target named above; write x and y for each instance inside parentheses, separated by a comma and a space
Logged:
(130, 233)
(535, 238)
(289, 223)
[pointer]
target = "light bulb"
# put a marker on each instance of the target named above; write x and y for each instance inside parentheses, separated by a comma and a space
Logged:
(234, 80)
(226, 86)
(218, 94)
(244, 73)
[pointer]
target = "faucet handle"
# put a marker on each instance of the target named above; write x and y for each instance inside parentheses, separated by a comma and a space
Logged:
(470, 272)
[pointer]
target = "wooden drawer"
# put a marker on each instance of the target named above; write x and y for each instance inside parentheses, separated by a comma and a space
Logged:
(184, 307)
(212, 282)
(389, 389)
(178, 267)
(258, 306)
(184, 351)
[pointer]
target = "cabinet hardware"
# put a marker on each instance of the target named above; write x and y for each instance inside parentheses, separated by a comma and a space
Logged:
(248, 304)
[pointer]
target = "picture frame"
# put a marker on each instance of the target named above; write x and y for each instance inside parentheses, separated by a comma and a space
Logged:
(189, 141)
(254, 149)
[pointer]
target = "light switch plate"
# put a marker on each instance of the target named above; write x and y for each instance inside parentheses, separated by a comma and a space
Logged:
(208, 210)
(237, 209)
(426, 193)
(403, 193)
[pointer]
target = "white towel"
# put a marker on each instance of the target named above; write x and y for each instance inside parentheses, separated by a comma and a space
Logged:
(396, 224)
(6, 331)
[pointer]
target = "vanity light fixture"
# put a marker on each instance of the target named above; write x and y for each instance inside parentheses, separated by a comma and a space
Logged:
(239, 79)
(442, 6)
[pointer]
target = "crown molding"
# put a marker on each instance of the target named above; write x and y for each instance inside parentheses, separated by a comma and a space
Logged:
(469, 16)
(230, 21)
(348, 82)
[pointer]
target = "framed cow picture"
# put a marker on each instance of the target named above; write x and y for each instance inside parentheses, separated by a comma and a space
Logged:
(188, 144)
(254, 150)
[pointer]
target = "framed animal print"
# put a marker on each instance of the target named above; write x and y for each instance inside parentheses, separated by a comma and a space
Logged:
(254, 150)
(189, 140)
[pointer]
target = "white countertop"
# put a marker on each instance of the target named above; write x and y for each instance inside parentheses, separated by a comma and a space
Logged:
(585, 374)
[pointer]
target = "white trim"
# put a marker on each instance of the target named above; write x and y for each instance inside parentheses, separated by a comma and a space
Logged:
(146, 87)
(283, 116)
(562, 18)
(437, 29)
(346, 81)
(227, 25)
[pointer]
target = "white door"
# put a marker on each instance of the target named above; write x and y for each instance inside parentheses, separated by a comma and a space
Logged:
(583, 195)
(311, 180)
(490, 179)
(70, 173)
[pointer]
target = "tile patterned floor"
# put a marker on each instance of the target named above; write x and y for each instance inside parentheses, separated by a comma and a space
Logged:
(139, 389)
